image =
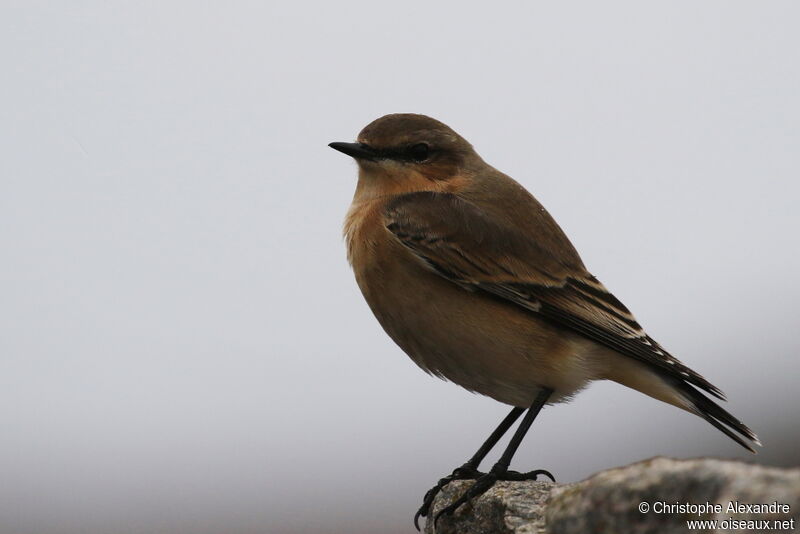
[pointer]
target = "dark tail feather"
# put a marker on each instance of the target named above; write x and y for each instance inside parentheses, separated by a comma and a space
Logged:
(720, 418)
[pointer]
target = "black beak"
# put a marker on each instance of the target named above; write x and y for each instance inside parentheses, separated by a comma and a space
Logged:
(355, 150)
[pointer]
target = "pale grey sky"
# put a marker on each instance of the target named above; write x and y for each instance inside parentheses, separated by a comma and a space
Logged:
(184, 348)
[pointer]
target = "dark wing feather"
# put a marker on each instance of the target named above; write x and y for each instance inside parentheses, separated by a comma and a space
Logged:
(460, 242)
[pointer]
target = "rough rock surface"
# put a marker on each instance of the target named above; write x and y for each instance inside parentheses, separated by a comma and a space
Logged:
(610, 501)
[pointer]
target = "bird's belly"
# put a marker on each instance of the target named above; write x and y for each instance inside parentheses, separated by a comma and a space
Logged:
(481, 343)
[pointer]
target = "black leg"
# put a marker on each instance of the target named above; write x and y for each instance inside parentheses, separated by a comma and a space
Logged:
(470, 469)
(500, 470)
(492, 440)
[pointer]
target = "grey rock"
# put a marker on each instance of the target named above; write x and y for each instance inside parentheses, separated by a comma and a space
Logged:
(674, 492)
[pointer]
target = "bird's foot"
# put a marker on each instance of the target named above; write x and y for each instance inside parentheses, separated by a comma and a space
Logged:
(465, 472)
(484, 482)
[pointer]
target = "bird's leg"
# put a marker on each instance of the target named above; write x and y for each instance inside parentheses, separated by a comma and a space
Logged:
(500, 470)
(468, 471)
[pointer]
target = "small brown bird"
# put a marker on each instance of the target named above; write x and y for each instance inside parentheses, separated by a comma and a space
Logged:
(474, 280)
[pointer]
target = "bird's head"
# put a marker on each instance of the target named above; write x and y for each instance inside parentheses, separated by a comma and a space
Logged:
(407, 152)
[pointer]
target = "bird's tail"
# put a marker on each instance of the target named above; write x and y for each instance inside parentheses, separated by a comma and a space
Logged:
(677, 392)
(718, 416)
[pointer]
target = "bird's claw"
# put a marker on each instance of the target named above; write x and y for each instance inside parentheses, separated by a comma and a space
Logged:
(480, 487)
(529, 475)
(465, 472)
(485, 482)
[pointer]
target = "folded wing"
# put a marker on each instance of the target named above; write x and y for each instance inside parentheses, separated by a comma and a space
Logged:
(460, 242)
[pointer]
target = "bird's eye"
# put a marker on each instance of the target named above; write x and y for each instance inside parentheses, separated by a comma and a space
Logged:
(419, 152)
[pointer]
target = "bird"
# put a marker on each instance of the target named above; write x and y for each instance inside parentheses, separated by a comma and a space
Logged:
(474, 280)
